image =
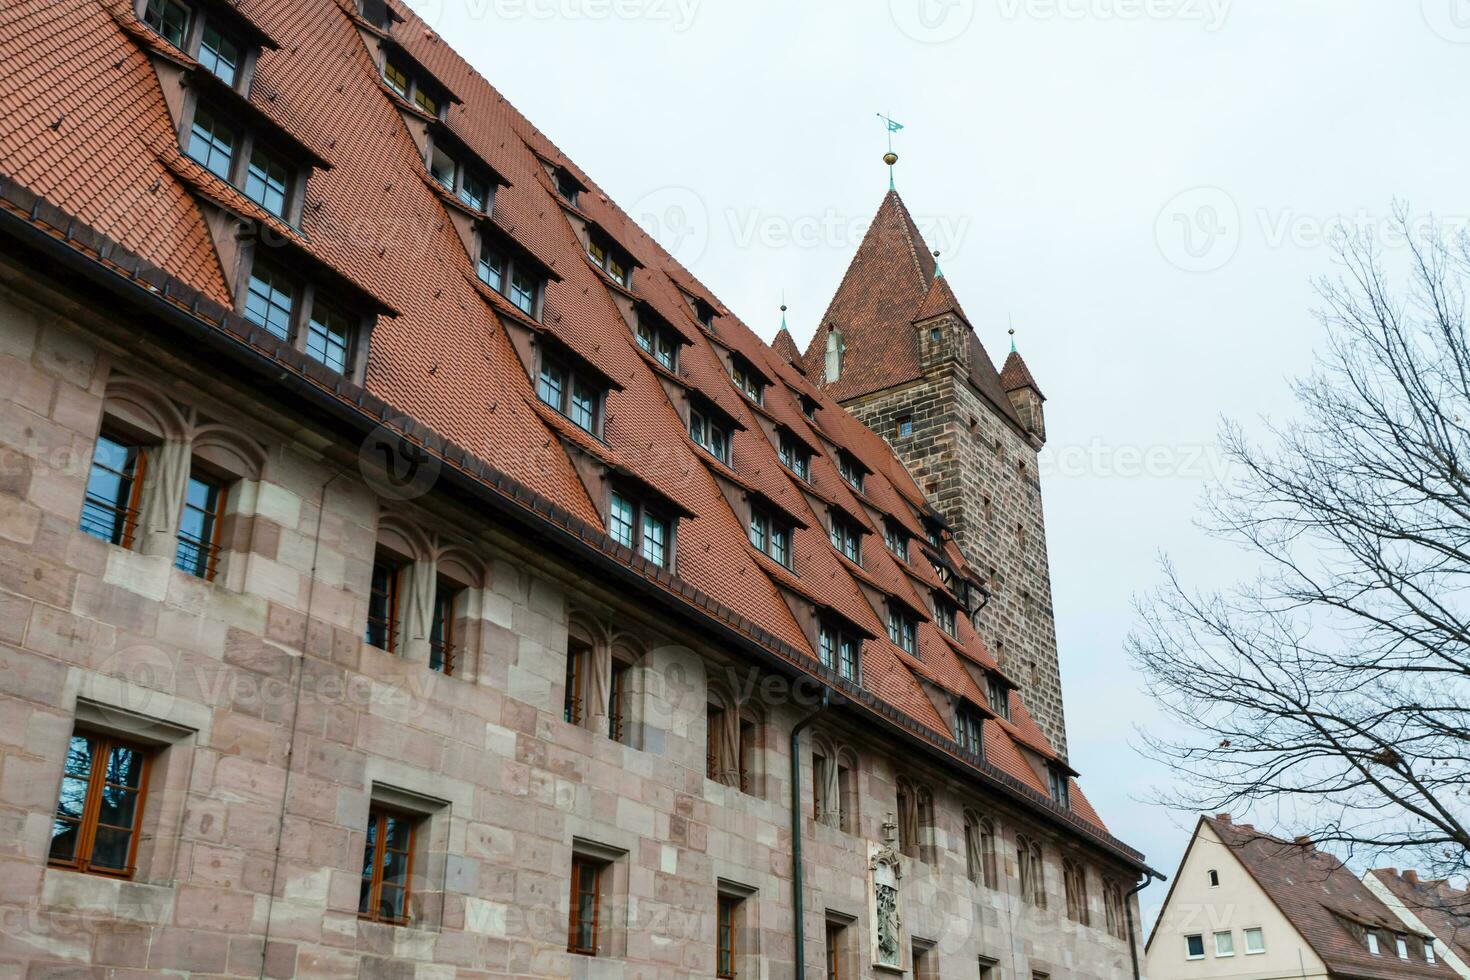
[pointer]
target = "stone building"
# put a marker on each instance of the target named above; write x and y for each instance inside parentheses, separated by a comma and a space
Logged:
(897, 351)
(407, 569)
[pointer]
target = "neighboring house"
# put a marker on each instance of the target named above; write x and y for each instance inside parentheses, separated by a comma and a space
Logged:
(1244, 904)
(1428, 906)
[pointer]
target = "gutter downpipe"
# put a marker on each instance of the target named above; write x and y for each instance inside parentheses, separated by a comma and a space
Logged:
(1148, 875)
(798, 910)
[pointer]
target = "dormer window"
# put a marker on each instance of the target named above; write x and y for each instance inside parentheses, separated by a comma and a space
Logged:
(795, 456)
(969, 730)
(896, 538)
(268, 181)
(771, 535)
(1057, 785)
(838, 650)
(999, 696)
(902, 629)
(643, 529)
(377, 13)
(400, 75)
(710, 434)
(657, 340)
(305, 316)
(933, 534)
(458, 178)
(852, 471)
(610, 259)
(944, 614)
(169, 19)
(220, 54)
(213, 143)
(243, 158)
(566, 185)
(705, 314)
(396, 78)
(515, 278)
(845, 537)
(751, 384)
(572, 392)
(809, 407)
(212, 39)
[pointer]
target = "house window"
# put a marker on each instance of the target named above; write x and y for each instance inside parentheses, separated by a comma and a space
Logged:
(617, 701)
(570, 393)
(851, 470)
(425, 101)
(423, 95)
(770, 536)
(1057, 780)
(99, 813)
(836, 941)
(705, 314)
(199, 527)
(980, 850)
(269, 300)
(271, 303)
(999, 696)
(328, 333)
(922, 957)
(845, 537)
(969, 731)
(1074, 879)
(567, 185)
(647, 533)
(1428, 948)
(1214, 878)
(657, 341)
(902, 630)
(944, 615)
(443, 650)
(1225, 943)
(1032, 871)
(579, 655)
(932, 533)
(1372, 938)
(396, 78)
(726, 948)
(382, 619)
(809, 407)
(267, 181)
(1255, 942)
(1113, 911)
(169, 19)
(459, 179)
(611, 259)
(1194, 947)
(212, 143)
(896, 539)
(386, 864)
(795, 456)
(586, 900)
(514, 279)
(114, 486)
(905, 426)
(751, 385)
(1401, 946)
(838, 651)
(219, 54)
(710, 435)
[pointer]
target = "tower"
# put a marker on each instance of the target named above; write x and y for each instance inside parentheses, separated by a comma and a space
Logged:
(896, 349)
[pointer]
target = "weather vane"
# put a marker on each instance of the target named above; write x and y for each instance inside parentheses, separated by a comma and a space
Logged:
(890, 157)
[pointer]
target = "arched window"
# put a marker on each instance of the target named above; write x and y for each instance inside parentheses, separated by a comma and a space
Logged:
(1074, 878)
(834, 785)
(733, 741)
(980, 849)
(1032, 871)
(1113, 909)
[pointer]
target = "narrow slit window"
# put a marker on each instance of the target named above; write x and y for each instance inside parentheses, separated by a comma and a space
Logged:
(382, 620)
(443, 650)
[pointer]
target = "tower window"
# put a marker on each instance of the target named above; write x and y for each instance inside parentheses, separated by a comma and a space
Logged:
(833, 355)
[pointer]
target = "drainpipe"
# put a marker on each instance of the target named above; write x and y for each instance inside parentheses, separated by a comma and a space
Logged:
(797, 907)
(1148, 876)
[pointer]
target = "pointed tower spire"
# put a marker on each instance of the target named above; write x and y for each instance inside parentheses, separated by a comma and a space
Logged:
(785, 345)
(938, 272)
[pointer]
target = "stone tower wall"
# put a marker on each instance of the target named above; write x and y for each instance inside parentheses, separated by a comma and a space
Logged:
(982, 475)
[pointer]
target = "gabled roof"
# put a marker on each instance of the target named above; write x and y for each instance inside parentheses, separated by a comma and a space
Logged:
(1438, 907)
(1323, 899)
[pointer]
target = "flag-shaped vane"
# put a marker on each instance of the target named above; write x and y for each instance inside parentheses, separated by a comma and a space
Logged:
(890, 157)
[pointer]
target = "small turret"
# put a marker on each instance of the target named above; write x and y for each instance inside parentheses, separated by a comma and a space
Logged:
(1024, 393)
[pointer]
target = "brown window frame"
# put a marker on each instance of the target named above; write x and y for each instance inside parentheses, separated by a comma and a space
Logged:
(617, 696)
(92, 807)
(727, 945)
(574, 919)
(130, 511)
(444, 648)
(378, 816)
(834, 949)
(578, 657)
(210, 548)
(390, 621)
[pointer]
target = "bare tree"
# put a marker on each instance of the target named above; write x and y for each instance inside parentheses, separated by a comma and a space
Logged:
(1332, 691)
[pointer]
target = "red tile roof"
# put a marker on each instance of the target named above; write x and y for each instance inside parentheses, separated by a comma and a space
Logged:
(1444, 909)
(1016, 375)
(87, 127)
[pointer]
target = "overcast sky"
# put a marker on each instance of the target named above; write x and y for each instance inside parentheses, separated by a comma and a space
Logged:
(1144, 186)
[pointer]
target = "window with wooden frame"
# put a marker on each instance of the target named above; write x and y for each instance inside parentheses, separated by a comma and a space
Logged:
(305, 316)
(945, 614)
(568, 187)
(904, 427)
(383, 599)
(579, 658)
(795, 456)
(934, 534)
(705, 314)
(836, 943)
(573, 391)
(99, 813)
(611, 259)
(727, 952)
(751, 384)
(845, 536)
(924, 963)
(114, 489)
(200, 526)
(617, 701)
(634, 525)
(387, 866)
(586, 904)
(771, 535)
(710, 433)
(443, 641)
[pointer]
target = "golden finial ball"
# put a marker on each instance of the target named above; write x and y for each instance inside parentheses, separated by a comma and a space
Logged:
(890, 158)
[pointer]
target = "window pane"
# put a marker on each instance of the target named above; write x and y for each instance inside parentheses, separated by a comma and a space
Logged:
(198, 553)
(474, 191)
(110, 849)
(219, 54)
(382, 597)
(584, 406)
(106, 510)
(620, 521)
(266, 181)
(328, 335)
(523, 291)
(441, 168)
(268, 300)
(550, 385)
(212, 143)
(655, 539)
(491, 268)
(169, 19)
